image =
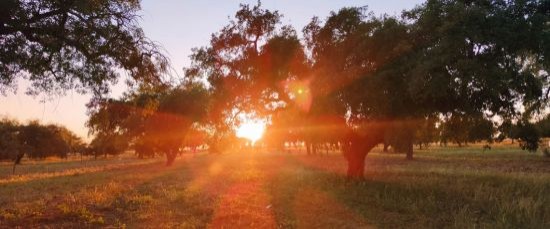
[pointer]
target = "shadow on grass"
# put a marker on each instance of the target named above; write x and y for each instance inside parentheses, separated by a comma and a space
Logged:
(417, 197)
(111, 198)
(293, 190)
(75, 171)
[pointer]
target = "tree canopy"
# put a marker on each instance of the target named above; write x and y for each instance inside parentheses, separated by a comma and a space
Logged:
(74, 44)
(36, 140)
(151, 122)
(383, 74)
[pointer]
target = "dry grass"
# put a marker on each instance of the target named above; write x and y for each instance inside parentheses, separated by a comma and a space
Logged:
(442, 187)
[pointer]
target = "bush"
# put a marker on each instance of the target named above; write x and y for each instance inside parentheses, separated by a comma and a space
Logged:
(529, 136)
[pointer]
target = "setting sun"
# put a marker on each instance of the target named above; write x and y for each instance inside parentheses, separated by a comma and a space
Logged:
(269, 113)
(252, 130)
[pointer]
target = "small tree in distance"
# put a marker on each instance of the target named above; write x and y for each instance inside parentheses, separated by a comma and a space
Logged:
(36, 141)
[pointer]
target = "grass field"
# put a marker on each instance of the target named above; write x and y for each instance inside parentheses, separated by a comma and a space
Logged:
(442, 187)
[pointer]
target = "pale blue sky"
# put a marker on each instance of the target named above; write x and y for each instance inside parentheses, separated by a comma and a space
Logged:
(178, 26)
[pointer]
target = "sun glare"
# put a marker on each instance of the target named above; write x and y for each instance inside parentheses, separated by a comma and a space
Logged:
(252, 130)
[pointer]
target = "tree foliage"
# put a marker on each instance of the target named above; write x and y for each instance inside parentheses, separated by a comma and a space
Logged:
(107, 144)
(462, 129)
(10, 142)
(543, 126)
(37, 141)
(248, 64)
(528, 136)
(427, 131)
(468, 59)
(64, 44)
(153, 122)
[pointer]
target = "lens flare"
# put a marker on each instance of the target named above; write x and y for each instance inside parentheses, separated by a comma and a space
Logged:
(251, 130)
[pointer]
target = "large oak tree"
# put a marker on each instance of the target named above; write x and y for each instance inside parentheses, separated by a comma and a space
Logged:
(463, 57)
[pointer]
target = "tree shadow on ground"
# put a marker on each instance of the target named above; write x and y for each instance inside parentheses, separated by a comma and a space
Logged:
(91, 199)
(394, 196)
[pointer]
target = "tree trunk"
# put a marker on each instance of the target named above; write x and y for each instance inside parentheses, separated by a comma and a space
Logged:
(314, 148)
(17, 161)
(355, 152)
(308, 148)
(409, 151)
(356, 164)
(170, 158)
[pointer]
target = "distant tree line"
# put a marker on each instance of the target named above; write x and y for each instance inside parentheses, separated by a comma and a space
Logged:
(457, 129)
(37, 141)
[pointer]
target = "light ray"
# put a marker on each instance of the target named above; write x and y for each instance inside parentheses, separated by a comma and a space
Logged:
(251, 130)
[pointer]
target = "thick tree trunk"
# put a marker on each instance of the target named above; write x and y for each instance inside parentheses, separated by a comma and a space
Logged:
(308, 148)
(356, 146)
(355, 153)
(356, 164)
(386, 145)
(170, 158)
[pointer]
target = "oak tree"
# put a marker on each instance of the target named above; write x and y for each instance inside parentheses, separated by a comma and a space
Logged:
(75, 44)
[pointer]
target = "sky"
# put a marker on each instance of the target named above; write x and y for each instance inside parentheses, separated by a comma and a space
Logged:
(178, 26)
